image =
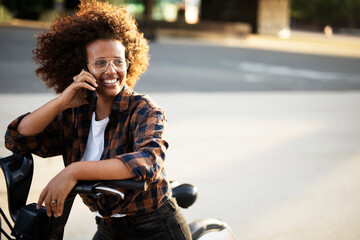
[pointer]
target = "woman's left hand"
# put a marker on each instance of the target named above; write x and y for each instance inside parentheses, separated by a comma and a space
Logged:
(56, 191)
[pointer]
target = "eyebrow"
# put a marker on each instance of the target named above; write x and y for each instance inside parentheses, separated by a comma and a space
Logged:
(105, 58)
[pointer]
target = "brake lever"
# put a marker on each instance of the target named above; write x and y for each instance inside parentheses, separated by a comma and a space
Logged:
(108, 190)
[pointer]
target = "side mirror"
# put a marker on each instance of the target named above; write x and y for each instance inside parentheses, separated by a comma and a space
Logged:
(185, 194)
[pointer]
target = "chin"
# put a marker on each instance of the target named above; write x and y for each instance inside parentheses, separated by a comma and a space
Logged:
(111, 92)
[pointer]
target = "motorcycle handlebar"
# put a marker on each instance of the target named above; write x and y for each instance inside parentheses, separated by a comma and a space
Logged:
(108, 187)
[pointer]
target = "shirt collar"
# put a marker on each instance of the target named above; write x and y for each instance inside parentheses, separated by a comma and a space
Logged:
(122, 100)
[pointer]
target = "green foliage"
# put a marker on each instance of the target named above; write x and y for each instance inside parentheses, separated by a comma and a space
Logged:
(28, 9)
(334, 12)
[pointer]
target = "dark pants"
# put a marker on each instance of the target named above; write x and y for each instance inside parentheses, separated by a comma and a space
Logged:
(167, 222)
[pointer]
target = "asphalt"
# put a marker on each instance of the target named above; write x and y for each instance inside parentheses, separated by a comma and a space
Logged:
(274, 165)
(299, 41)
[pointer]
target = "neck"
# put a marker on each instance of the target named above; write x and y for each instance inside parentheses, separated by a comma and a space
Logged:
(103, 108)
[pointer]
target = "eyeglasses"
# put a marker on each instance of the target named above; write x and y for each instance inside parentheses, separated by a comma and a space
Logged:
(100, 65)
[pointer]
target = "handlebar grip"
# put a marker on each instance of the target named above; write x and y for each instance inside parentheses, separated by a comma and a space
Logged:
(85, 187)
(129, 184)
(89, 187)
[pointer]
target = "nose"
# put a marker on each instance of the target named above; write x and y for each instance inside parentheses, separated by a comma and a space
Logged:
(111, 68)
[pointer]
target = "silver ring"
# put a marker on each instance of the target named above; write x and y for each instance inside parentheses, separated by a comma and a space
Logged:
(53, 201)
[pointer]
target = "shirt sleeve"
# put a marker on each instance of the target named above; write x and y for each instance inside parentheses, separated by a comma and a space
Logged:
(45, 144)
(147, 159)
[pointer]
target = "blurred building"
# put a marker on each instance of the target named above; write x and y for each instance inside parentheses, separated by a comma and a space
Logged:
(228, 16)
(265, 16)
(271, 17)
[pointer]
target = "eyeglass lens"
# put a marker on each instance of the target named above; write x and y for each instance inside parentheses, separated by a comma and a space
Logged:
(101, 65)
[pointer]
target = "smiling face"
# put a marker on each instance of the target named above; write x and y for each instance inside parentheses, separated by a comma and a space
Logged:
(111, 81)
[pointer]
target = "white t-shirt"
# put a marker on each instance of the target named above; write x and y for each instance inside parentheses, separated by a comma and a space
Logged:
(95, 146)
(95, 143)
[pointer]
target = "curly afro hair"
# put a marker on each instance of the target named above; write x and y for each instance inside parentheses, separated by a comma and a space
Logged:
(61, 51)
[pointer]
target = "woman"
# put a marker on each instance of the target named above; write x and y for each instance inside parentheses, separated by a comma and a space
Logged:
(100, 48)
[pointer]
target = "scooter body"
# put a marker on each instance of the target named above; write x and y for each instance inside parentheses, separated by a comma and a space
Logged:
(33, 224)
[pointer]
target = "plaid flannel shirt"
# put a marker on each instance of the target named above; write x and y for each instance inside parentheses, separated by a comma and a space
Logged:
(133, 135)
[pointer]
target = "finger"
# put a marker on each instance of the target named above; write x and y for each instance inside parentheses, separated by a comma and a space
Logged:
(85, 85)
(80, 85)
(54, 206)
(85, 73)
(60, 207)
(48, 205)
(88, 79)
(88, 76)
(82, 74)
(41, 199)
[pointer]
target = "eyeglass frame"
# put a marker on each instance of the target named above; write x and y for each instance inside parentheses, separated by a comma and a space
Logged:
(127, 62)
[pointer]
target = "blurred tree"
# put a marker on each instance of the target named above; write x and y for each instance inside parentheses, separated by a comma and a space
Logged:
(10, 5)
(148, 4)
(338, 13)
(71, 4)
(148, 9)
(28, 9)
(230, 10)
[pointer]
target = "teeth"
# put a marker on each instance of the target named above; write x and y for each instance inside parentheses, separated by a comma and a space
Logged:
(110, 81)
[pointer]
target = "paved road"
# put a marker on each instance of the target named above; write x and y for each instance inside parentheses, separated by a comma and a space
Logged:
(183, 66)
(177, 66)
(272, 151)
(274, 165)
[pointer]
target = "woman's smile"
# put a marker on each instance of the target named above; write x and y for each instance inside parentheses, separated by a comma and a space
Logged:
(109, 81)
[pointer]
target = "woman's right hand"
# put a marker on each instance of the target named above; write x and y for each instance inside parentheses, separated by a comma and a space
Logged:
(73, 95)
(36, 121)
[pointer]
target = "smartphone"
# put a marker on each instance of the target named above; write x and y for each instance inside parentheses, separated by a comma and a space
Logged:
(91, 96)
